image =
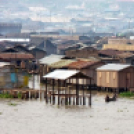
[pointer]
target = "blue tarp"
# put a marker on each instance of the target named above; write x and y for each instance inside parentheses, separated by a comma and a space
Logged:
(13, 78)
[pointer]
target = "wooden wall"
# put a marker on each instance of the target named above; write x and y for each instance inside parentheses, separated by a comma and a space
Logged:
(114, 79)
(126, 78)
(107, 79)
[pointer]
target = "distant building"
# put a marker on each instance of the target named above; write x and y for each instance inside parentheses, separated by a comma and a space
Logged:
(44, 44)
(84, 52)
(6, 28)
(37, 52)
(116, 56)
(120, 44)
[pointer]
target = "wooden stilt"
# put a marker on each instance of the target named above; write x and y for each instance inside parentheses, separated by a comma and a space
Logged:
(90, 94)
(77, 92)
(50, 99)
(58, 92)
(69, 94)
(73, 100)
(83, 97)
(53, 91)
(66, 99)
(80, 100)
(46, 92)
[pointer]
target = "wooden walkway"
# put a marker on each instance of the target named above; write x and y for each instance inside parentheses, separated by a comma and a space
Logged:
(49, 96)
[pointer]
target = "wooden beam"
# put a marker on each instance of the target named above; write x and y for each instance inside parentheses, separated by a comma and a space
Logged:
(69, 94)
(53, 92)
(77, 92)
(90, 94)
(58, 92)
(46, 92)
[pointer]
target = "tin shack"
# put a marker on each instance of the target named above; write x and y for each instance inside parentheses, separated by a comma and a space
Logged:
(88, 68)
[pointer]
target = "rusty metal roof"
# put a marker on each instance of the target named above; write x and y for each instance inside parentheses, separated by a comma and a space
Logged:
(110, 52)
(62, 63)
(81, 64)
(16, 56)
(126, 55)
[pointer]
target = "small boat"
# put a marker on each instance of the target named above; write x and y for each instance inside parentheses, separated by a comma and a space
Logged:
(108, 99)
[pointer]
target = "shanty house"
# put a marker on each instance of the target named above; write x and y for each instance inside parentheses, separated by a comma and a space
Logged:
(38, 52)
(12, 77)
(88, 68)
(16, 58)
(84, 52)
(47, 61)
(115, 76)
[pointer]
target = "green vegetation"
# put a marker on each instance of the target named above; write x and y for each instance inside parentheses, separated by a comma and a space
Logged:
(12, 104)
(0, 113)
(119, 110)
(127, 94)
(6, 95)
(19, 95)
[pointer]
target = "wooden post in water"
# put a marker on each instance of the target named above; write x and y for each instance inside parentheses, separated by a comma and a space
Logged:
(53, 93)
(69, 97)
(58, 92)
(90, 94)
(80, 100)
(73, 100)
(83, 96)
(77, 92)
(33, 78)
(50, 98)
(69, 94)
(66, 98)
(46, 92)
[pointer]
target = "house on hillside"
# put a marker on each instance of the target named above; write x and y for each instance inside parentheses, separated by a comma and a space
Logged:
(115, 76)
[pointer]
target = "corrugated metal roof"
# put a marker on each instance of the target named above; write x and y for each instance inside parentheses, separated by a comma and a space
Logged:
(110, 52)
(113, 67)
(126, 55)
(51, 59)
(62, 63)
(61, 74)
(81, 64)
(14, 40)
(16, 56)
(90, 59)
(4, 64)
(121, 47)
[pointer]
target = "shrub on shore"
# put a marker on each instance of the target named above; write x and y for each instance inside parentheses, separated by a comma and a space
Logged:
(127, 94)
(6, 95)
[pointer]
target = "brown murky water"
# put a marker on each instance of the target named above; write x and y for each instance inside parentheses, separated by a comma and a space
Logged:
(37, 117)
